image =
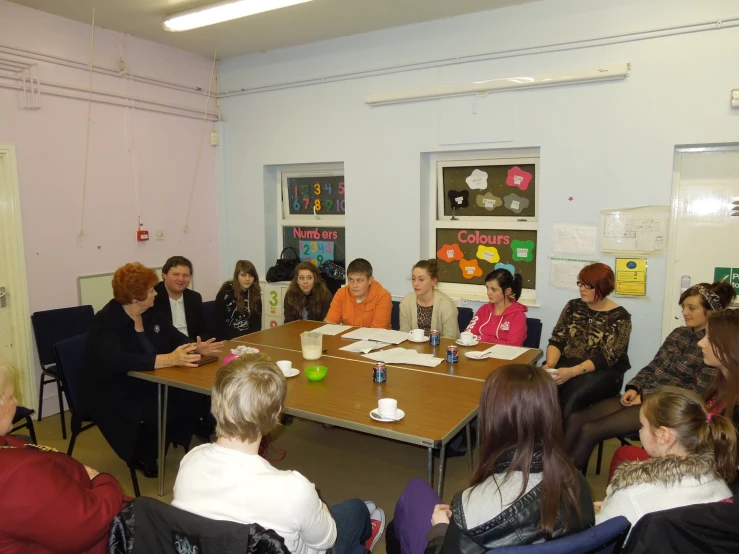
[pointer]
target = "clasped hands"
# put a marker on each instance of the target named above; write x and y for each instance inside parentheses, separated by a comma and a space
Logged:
(562, 374)
(188, 354)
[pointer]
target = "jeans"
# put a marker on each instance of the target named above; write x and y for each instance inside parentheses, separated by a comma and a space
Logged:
(412, 519)
(353, 526)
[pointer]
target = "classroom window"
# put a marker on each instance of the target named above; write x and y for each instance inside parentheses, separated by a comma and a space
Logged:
(312, 208)
(484, 217)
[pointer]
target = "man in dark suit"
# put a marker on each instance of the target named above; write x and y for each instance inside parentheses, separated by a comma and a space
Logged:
(178, 304)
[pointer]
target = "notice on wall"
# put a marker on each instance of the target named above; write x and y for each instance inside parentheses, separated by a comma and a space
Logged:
(564, 272)
(634, 231)
(728, 275)
(631, 276)
(570, 238)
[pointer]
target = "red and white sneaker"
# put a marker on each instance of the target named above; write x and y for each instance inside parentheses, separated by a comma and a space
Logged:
(377, 518)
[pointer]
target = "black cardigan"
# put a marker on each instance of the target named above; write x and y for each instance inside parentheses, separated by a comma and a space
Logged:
(194, 315)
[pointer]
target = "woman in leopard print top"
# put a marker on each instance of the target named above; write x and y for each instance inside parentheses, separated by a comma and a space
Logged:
(587, 354)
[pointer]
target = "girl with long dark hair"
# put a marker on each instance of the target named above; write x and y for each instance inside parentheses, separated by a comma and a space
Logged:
(307, 297)
(238, 308)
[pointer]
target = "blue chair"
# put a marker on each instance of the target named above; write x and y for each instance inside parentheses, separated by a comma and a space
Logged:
(606, 538)
(49, 327)
(23, 420)
(395, 316)
(209, 313)
(533, 332)
(464, 316)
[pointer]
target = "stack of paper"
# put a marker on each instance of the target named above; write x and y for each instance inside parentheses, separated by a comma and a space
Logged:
(331, 329)
(364, 346)
(404, 356)
(381, 335)
(504, 352)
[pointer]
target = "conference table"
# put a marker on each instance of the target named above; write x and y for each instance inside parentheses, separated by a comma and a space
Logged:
(439, 402)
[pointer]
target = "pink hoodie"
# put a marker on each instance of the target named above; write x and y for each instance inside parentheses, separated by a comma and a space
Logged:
(506, 328)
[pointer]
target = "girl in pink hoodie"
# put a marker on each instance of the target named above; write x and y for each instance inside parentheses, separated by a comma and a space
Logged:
(503, 319)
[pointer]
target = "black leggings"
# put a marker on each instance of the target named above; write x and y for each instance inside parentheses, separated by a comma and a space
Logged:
(604, 420)
(585, 390)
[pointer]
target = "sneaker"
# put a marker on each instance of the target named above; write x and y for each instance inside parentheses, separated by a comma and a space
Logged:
(377, 519)
(371, 506)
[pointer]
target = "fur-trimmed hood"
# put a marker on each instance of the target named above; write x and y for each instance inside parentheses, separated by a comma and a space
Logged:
(668, 470)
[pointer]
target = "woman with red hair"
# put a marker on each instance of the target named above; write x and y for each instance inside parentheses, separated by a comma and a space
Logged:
(587, 355)
(126, 336)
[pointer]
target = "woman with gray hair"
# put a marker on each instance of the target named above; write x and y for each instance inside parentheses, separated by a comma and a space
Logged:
(50, 502)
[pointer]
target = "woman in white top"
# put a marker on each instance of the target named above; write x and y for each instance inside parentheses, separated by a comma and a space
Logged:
(693, 457)
(426, 308)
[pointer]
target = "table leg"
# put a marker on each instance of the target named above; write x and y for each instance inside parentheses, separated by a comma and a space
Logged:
(431, 468)
(163, 391)
(442, 459)
(469, 448)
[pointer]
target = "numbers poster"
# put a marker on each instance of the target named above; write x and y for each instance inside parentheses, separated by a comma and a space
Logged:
(316, 244)
(319, 195)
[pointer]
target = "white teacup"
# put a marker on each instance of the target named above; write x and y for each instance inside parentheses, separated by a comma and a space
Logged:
(285, 365)
(416, 334)
(466, 338)
(388, 408)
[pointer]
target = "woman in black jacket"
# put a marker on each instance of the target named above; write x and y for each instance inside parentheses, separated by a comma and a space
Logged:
(238, 308)
(307, 297)
(524, 489)
(126, 336)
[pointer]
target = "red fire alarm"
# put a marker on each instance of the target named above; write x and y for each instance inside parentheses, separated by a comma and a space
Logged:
(142, 235)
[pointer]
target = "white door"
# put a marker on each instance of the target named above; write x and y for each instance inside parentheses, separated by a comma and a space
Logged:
(705, 222)
(15, 320)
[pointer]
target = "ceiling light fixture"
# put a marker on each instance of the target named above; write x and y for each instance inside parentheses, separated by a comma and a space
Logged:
(223, 11)
(585, 75)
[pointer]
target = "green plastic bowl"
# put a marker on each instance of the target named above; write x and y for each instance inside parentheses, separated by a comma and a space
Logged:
(316, 373)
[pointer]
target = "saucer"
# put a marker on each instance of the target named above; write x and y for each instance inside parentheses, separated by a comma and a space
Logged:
(424, 339)
(374, 414)
(292, 372)
(473, 343)
(476, 355)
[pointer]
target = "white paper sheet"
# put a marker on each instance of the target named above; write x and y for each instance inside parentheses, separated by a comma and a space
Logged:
(570, 238)
(331, 329)
(564, 272)
(381, 335)
(634, 231)
(364, 346)
(404, 356)
(505, 352)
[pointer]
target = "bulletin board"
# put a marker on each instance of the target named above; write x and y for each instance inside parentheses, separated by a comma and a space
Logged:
(490, 190)
(97, 290)
(466, 256)
(316, 244)
(325, 195)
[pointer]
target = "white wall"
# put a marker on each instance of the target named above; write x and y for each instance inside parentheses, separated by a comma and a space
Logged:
(607, 145)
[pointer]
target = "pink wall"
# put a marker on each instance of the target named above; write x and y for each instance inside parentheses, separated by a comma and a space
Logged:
(50, 148)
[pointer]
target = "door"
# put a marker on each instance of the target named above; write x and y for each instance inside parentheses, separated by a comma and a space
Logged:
(15, 320)
(704, 225)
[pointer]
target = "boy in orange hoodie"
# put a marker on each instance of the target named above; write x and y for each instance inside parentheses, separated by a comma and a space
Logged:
(363, 302)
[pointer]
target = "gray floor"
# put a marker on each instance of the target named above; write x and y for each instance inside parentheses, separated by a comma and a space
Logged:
(343, 464)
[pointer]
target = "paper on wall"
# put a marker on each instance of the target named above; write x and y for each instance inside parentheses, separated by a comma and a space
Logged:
(564, 273)
(634, 231)
(570, 238)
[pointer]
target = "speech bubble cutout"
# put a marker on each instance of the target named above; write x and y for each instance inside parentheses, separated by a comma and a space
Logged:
(509, 267)
(516, 203)
(488, 254)
(488, 201)
(459, 198)
(517, 177)
(478, 179)
(523, 250)
(449, 253)
(470, 269)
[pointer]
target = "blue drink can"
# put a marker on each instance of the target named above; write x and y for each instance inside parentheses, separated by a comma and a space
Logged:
(434, 338)
(452, 354)
(379, 372)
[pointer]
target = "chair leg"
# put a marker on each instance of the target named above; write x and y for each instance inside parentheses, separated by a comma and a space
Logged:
(41, 397)
(70, 448)
(61, 408)
(135, 481)
(31, 430)
(600, 458)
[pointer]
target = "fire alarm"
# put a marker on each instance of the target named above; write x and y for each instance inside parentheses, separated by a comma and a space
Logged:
(142, 235)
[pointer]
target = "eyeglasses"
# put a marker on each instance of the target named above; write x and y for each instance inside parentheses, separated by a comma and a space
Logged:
(585, 286)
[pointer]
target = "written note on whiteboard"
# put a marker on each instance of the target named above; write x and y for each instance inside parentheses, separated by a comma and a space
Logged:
(635, 230)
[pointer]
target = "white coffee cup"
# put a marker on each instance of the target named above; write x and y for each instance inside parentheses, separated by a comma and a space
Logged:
(416, 334)
(285, 365)
(466, 338)
(388, 408)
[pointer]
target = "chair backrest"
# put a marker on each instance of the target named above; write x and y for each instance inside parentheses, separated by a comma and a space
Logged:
(395, 316)
(464, 316)
(68, 354)
(606, 538)
(51, 326)
(209, 313)
(533, 332)
(149, 525)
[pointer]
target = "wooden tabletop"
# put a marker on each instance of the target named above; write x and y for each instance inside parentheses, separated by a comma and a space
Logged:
(436, 407)
(288, 337)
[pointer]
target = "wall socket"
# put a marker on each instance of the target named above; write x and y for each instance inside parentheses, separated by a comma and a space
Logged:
(214, 138)
(159, 235)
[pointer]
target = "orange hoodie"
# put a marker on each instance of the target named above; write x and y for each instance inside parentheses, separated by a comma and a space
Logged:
(373, 311)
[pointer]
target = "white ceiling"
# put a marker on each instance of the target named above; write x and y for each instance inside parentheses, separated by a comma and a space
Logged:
(302, 24)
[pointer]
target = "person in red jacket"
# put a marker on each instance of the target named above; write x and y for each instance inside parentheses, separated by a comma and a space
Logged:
(503, 319)
(50, 503)
(363, 302)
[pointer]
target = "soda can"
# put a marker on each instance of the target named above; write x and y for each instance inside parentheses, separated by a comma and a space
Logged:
(452, 354)
(379, 372)
(434, 338)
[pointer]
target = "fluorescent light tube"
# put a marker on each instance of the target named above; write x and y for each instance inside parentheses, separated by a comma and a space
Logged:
(585, 75)
(223, 11)
(735, 98)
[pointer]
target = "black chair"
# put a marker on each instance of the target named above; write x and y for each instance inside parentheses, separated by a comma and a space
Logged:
(209, 313)
(464, 316)
(49, 327)
(68, 354)
(23, 420)
(533, 332)
(395, 316)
